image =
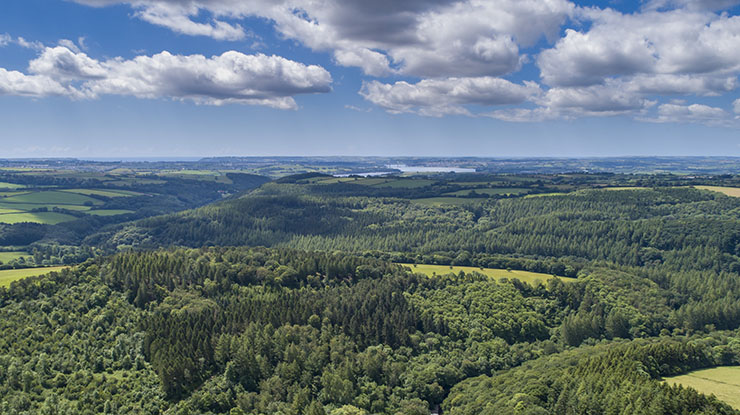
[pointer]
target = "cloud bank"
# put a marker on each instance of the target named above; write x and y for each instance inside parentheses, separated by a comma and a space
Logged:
(436, 57)
(231, 77)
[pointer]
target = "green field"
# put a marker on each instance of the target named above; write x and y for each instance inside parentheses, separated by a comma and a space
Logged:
(491, 192)
(626, 188)
(105, 193)
(6, 185)
(108, 212)
(406, 183)
(9, 275)
(722, 382)
(6, 257)
(17, 207)
(52, 197)
(524, 276)
(24, 207)
(49, 218)
(441, 201)
(729, 191)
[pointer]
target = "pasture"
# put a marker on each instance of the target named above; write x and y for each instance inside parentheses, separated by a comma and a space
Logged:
(722, 382)
(446, 201)
(108, 212)
(6, 185)
(52, 197)
(9, 275)
(523, 276)
(39, 206)
(49, 218)
(490, 191)
(729, 191)
(104, 193)
(8, 256)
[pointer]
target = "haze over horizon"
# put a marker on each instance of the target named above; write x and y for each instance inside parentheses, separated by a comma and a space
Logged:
(198, 78)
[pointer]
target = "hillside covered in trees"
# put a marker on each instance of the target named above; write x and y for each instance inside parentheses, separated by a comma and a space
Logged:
(291, 300)
(239, 330)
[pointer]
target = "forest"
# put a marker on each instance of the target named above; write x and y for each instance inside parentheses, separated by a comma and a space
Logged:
(291, 299)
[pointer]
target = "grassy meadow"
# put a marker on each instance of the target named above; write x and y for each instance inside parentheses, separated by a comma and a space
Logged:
(524, 276)
(490, 191)
(37, 206)
(441, 201)
(729, 191)
(722, 382)
(9, 275)
(6, 257)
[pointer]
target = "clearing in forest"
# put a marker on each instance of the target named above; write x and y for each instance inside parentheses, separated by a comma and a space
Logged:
(722, 382)
(9, 275)
(523, 276)
(729, 191)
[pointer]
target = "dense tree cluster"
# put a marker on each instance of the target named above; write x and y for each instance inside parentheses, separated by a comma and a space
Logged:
(324, 320)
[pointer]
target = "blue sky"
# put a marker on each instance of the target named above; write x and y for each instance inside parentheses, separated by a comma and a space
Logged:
(111, 78)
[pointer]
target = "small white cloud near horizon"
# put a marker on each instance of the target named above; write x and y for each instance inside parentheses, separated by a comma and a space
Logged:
(451, 96)
(693, 113)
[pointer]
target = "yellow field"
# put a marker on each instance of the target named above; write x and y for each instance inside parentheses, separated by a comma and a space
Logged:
(729, 191)
(9, 275)
(722, 382)
(625, 188)
(524, 276)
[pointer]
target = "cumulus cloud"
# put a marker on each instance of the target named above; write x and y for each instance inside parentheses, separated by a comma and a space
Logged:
(690, 4)
(5, 39)
(574, 102)
(604, 100)
(666, 84)
(676, 42)
(437, 97)
(62, 63)
(20, 84)
(429, 38)
(695, 113)
(231, 77)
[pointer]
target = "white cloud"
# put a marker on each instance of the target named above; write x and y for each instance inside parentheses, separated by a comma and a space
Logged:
(431, 38)
(736, 106)
(593, 100)
(691, 4)
(5, 39)
(62, 63)
(676, 42)
(437, 97)
(575, 102)
(666, 84)
(17, 83)
(29, 44)
(178, 18)
(694, 113)
(232, 77)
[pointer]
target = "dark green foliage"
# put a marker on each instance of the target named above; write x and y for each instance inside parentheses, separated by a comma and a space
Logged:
(324, 322)
(618, 378)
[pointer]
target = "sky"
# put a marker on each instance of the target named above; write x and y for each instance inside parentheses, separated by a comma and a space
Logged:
(489, 78)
